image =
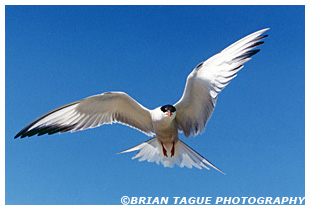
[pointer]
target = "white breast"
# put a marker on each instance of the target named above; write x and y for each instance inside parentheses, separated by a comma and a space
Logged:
(165, 127)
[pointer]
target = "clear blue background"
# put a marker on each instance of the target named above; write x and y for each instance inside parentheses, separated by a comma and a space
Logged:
(59, 54)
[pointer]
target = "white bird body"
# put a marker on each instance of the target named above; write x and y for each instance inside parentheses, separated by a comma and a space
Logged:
(189, 115)
(165, 127)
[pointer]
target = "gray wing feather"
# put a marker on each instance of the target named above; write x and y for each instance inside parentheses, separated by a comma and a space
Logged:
(208, 79)
(106, 108)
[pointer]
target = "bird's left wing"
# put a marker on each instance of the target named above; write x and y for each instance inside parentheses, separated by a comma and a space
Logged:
(207, 80)
(106, 108)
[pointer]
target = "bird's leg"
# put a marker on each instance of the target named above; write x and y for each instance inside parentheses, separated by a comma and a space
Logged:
(164, 150)
(173, 150)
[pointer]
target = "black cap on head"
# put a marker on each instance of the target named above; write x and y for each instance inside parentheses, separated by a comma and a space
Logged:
(166, 108)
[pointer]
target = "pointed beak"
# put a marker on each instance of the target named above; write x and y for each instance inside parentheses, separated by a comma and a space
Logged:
(169, 113)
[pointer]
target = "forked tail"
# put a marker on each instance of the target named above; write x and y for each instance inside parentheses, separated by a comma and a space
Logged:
(151, 151)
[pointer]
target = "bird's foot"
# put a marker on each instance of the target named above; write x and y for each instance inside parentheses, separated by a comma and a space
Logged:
(164, 150)
(173, 150)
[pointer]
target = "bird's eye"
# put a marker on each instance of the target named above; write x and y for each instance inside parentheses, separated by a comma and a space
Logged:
(168, 107)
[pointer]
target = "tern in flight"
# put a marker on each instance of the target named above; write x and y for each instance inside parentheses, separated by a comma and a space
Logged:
(189, 115)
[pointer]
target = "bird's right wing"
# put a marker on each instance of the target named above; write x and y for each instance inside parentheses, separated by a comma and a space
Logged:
(106, 108)
(208, 79)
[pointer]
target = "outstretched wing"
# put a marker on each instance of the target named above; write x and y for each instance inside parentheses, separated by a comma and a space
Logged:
(207, 80)
(106, 108)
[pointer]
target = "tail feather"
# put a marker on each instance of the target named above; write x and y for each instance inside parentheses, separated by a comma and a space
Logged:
(147, 151)
(151, 151)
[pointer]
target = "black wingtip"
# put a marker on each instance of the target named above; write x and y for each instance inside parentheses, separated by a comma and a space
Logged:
(18, 135)
(50, 129)
(255, 45)
(253, 52)
(247, 54)
(264, 36)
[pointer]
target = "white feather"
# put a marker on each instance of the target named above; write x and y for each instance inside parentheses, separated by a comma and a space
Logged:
(208, 79)
(185, 156)
(106, 108)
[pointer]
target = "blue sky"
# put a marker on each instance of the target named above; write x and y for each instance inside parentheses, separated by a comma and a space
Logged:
(59, 54)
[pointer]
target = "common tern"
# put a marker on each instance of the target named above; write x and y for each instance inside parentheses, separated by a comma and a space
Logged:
(189, 115)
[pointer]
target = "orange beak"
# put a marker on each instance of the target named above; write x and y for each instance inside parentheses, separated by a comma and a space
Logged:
(169, 113)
